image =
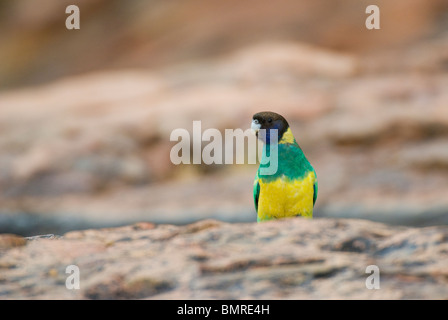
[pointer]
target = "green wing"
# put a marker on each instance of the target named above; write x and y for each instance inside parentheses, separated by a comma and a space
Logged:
(315, 190)
(256, 192)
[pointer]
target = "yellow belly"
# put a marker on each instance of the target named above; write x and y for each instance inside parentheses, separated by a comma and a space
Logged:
(286, 198)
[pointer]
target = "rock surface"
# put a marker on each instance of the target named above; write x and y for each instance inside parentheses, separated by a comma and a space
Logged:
(139, 33)
(94, 150)
(289, 259)
(87, 143)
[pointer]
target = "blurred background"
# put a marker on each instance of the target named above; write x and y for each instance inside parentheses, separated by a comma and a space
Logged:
(86, 115)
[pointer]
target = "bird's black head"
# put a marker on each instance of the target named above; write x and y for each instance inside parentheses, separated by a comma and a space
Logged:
(268, 120)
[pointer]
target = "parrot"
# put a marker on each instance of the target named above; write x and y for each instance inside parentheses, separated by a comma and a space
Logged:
(292, 189)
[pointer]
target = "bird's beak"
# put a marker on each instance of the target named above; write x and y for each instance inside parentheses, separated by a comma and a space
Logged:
(255, 126)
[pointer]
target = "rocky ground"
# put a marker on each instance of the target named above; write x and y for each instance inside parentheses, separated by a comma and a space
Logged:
(36, 47)
(85, 124)
(94, 150)
(289, 259)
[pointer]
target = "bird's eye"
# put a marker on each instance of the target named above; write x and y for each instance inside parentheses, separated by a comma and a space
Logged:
(270, 120)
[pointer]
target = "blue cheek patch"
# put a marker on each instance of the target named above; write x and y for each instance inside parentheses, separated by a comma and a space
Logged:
(276, 126)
